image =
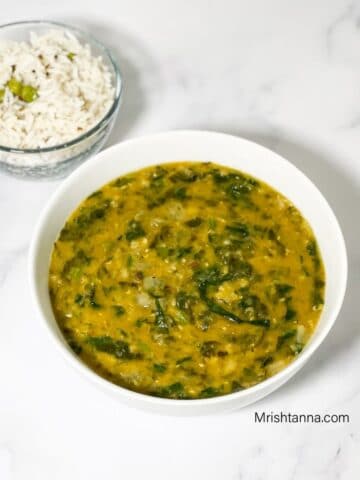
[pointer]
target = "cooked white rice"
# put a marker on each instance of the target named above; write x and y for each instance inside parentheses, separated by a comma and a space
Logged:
(74, 91)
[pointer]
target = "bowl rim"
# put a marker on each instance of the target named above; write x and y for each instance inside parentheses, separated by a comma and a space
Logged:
(117, 96)
(268, 384)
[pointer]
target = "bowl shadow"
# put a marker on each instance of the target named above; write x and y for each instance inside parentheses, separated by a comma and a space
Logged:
(343, 194)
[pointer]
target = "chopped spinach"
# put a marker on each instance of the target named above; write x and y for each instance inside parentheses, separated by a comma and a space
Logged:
(238, 228)
(236, 386)
(75, 347)
(79, 299)
(194, 222)
(97, 193)
(119, 310)
(161, 321)
(73, 268)
(231, 245)
(252, 307)
(157, 179)
(129, 261)
(175, 390)
(163, 252)
(155, 199)
(282, 289)
(142, 321)
(317, 299)
(117, 348)
(209, 348)
(183, 301)
(122, 181)
(253, 375)
(282, 339)
(290, 313)
(212, 276)
(209, 392)
(159, 367)
(74, 230)
(183, 360)
(247, 341)
(88, 297)
(219, 310)
(134, 231)
(317, 294)
(181, 252)
(187, 175)
(313, 252)
(240, 184)
(179, 193)
(175, 253)
(265, 361)
(260, 322)
(212, 223)
(203, 321)
(281, 249)
(277, 292)
(239, 267)
(311, 248)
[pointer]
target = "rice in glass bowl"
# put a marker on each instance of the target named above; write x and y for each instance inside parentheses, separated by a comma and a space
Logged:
(60, 93)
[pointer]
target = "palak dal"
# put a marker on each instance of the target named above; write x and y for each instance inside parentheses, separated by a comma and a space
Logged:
(186, 280)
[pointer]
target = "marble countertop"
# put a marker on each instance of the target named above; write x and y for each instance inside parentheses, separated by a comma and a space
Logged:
(285, 74)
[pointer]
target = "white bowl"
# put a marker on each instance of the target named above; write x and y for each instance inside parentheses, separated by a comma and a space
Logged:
(196, 146)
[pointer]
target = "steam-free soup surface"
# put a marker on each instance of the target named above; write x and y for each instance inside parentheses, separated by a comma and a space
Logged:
(186, 280)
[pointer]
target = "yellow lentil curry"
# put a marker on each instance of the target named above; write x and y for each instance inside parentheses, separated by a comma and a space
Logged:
(186, 280)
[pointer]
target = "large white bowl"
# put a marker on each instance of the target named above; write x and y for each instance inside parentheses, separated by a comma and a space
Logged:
(197, 146)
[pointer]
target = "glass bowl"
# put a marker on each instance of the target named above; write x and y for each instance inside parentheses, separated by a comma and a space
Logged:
(58, 160)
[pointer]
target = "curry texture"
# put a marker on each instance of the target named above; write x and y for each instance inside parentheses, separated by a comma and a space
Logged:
(186, 280)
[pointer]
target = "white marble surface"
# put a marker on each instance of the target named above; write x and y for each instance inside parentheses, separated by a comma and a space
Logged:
(286, 74)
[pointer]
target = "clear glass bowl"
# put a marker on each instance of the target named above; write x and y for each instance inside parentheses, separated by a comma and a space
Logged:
(57, 161)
